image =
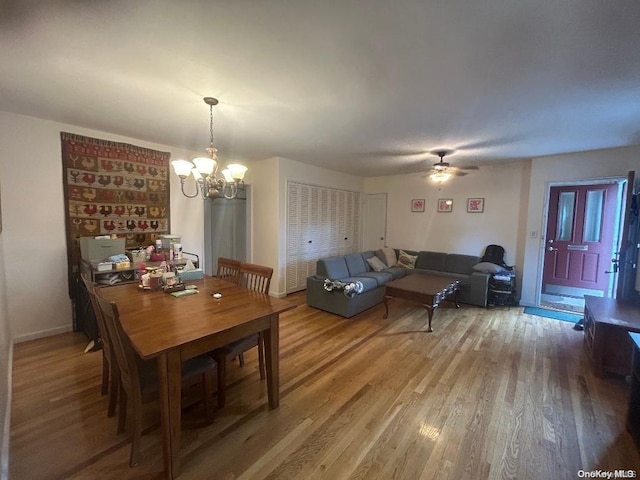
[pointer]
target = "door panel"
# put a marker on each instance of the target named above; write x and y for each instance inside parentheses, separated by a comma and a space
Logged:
(579, 237)
(375, 221)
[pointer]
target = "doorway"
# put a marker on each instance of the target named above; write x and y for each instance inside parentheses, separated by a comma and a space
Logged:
(374, 231)
(226, 223)
(582, 235)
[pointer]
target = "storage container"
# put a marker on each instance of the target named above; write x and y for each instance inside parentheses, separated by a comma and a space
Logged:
(96, 249)
(167, 240)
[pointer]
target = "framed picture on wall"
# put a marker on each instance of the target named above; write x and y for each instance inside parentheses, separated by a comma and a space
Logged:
(475, 205)
(417, 205)
(445, 205)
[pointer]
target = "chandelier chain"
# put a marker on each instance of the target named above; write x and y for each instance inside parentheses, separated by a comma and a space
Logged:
(211, 126)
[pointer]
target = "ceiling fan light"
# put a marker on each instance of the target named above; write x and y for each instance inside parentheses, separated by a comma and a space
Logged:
(182, 167)
(440, 177)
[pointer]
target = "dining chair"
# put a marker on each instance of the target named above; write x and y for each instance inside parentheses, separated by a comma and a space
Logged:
(110, 371)
(257, 278)
(139, 378)
(229, 269)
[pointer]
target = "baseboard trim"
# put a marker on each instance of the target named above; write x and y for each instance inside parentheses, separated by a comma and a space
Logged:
(41, 334)
(4, 453)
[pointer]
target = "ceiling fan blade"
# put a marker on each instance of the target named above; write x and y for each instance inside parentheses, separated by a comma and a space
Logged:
(469, 167)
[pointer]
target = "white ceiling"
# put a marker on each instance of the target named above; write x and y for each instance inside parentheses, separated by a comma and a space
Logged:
(365, 87)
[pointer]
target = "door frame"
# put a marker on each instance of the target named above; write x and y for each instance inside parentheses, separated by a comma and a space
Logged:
(207, 262)
(365, 216)
(617, 236)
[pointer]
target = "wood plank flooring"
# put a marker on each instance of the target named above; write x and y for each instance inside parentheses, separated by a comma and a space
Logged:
(490, 394)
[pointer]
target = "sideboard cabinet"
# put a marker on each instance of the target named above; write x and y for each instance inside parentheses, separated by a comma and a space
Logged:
(607, 322)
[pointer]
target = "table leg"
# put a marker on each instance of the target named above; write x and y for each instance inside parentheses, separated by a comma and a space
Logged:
(385, 299)
(272, 361)
(430, 309)
(170, 384)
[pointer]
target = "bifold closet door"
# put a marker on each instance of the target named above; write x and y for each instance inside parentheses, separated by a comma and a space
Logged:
(321, 222)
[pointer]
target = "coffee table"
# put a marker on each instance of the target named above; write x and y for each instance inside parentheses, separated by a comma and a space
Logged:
(429, 290)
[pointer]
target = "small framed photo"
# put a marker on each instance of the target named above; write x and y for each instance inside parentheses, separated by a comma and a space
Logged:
(417, 205)
(445, 204)
(475, 205)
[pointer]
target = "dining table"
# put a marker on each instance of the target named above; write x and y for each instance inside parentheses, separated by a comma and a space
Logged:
(172, 329)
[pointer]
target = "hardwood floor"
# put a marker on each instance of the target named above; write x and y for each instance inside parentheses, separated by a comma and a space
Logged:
(489, 394)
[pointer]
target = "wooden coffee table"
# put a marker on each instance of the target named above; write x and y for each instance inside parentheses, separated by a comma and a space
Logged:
(429, 290)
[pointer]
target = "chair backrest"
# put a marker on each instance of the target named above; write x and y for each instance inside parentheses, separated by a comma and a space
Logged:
(125, 355)
(104, 334)
(255, 277)
(229, 269)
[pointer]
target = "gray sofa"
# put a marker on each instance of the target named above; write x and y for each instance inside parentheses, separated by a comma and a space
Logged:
(354, 267)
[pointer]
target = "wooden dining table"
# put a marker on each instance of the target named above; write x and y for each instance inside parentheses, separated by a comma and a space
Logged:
(173, 329)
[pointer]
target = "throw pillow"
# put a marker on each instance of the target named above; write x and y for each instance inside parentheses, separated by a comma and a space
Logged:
(387, 255)
(405, 260)
(376, 263)
(488, 267)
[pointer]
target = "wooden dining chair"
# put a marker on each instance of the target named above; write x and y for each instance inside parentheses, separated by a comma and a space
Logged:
(257, 278)
(139, 378)
(110, 371)
(229, 269)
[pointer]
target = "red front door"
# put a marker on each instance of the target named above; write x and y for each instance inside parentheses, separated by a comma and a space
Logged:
(579, 237)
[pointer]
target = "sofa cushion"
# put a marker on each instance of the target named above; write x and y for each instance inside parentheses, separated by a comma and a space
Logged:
(406, 260)
(431, 261)
(488, 267)
(456, 263)
(397, 272)
(356, 264)
(376, 264)
(332, 267)
(380, 277)
(388, 256)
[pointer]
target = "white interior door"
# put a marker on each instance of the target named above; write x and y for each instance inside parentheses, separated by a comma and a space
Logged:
(375, 221)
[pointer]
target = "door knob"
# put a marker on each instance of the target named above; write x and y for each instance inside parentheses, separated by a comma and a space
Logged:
(551, 249)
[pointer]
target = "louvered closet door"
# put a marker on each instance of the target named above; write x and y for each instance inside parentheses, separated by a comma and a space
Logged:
(321, 222)
(293, 237)
(352, 221)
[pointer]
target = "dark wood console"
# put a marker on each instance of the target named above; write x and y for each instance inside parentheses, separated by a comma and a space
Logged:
(606, 325)
(633, 412)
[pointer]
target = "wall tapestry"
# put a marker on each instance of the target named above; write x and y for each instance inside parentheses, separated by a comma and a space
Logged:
(113, 188)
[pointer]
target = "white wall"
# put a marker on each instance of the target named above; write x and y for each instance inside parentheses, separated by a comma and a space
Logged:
(34, 240)
(458, 231)
(6, 349)
(265, 221)
(560, 168)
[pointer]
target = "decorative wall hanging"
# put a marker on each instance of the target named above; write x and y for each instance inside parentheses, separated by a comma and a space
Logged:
(113, 188)
(417, 205)
(475, 205)
(445, 205)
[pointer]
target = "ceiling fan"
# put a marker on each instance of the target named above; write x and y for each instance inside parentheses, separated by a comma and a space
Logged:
(441, 171)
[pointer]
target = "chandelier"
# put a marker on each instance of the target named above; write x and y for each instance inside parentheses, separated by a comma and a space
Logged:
(204, 170)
